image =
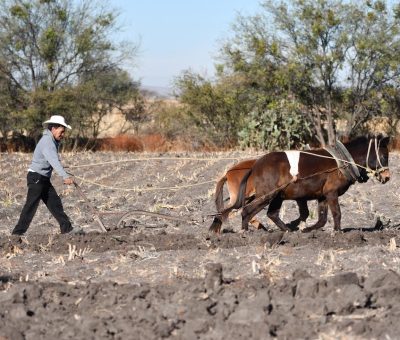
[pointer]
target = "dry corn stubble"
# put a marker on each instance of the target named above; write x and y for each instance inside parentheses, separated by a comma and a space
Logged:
(153, 283)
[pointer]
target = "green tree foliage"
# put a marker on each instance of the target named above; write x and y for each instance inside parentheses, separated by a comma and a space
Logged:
(102, 92)
(313, 34)
(281, 125)
(10, 98)
(347, 53)
(53, 52)
(373, 61)
(334, 59)
(214, 109)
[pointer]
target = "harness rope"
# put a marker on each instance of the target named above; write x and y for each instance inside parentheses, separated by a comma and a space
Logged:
(145, 159)
(283, 186)
(143, 189)
(339, 151)
(152, 159)
(367, 168)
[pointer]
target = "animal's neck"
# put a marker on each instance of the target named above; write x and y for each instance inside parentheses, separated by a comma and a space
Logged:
(358, 152)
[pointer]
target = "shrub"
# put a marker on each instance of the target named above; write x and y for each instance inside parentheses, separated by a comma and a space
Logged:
(280, 126)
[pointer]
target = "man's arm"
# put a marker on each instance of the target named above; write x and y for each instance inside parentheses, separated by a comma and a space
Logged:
(51, 154)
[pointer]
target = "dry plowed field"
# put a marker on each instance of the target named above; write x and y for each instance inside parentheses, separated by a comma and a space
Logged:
(155, 278)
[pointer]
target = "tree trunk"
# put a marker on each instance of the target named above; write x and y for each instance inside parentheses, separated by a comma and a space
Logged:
(318, 128)
(330, 122)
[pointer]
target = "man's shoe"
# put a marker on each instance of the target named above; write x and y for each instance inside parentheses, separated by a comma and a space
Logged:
(67, 231)
(77, 231)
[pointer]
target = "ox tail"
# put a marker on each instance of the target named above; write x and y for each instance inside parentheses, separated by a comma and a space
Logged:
(219, 204)
(219, 194)
(241, 199)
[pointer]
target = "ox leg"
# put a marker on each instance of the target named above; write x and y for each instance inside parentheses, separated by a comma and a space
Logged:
(322, 216)
(273, 214)
(252, 209)
(216, 225)
(333, 202)
(304, 213)
(257, 224)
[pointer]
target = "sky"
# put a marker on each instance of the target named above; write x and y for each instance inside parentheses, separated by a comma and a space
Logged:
(176, 35)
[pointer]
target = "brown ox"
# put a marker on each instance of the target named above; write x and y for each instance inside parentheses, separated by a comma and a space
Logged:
(319, 177)
(232, 178)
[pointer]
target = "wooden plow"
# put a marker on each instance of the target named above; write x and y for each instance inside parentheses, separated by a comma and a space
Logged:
(125, 215)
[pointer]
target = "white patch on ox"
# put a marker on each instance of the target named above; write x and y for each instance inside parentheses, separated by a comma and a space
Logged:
(293, 157)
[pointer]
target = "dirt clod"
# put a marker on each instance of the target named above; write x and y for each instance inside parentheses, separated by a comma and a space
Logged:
(161, 279)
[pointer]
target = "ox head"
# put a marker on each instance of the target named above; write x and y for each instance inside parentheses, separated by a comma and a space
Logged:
(377, 161)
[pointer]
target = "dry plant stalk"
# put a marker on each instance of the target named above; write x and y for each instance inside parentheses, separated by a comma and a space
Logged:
(81, 253)
(392, 245)
(143, 254)
(271, 262)
(14, 251)
(338, 335)
(328, 259)
(46, 248)
(59, 260)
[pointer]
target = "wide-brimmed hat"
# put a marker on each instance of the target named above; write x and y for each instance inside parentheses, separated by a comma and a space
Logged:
(57, 120)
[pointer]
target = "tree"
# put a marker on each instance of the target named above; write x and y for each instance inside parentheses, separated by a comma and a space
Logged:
(218, 110)
(313, 35)
(270, 84)
(281, 125)
(329, 59)
(101, 93)
(47, 47)
(373, 61)
(349, 50)
(10, 102)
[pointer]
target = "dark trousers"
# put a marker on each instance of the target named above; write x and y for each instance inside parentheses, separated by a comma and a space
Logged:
(40, 188)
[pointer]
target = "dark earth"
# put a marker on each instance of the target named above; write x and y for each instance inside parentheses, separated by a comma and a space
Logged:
(155, 278)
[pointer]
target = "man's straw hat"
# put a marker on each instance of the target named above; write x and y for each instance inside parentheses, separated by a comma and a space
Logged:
(57, 120)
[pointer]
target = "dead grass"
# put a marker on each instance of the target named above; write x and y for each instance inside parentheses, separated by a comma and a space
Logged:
(74, 253)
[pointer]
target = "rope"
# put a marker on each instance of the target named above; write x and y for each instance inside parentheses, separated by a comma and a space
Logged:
(368, 169)
(330, 157)
(294, 180)
(281, 187)
(144, 159)
(109, 187)
(155, 158)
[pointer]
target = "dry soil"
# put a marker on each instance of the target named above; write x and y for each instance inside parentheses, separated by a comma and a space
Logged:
(155, 278)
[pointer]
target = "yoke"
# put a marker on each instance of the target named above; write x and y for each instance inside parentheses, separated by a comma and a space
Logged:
(344, 161)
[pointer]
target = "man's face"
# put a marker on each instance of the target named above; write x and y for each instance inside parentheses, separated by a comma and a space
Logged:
(58, 133)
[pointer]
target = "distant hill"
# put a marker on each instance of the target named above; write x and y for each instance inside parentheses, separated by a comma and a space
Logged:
(157, 91)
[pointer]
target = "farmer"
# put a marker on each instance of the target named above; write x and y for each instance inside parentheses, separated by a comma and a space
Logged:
(45, 159)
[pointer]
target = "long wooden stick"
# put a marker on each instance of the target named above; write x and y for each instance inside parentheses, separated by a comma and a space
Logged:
(91, 208)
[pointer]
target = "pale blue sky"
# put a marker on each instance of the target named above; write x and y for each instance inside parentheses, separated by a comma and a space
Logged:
(176, 35)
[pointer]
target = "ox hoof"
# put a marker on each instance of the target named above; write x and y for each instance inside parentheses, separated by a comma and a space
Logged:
(216, 226)
(292, 228)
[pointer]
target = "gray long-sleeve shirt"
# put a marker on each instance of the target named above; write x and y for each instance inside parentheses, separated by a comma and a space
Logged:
(45, 157)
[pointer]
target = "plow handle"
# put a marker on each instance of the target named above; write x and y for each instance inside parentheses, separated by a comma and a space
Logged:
(91, 207)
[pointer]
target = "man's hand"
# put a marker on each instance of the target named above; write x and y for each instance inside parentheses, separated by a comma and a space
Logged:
(69, 180)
